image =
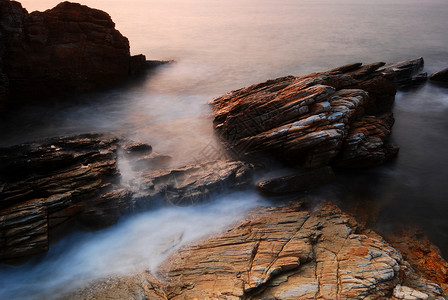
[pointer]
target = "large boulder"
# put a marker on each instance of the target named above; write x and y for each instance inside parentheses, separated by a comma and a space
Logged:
(338, 117)
(70, 48)
(89, 181)
(294, 253)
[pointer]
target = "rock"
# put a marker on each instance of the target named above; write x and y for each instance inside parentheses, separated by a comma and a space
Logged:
(293, 253)
(366, 143)
(404, 72)
(68, 49)
(195, 183)
(52, 186)
(441, 76)
(304, 180)
(139, 287)
(49, 186)
(423, 255)
(137, 149)
(314, 120)
(420, 78)
(152, 161)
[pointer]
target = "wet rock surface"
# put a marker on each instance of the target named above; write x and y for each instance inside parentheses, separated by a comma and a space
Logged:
(329, 118)
(51, 186)
(68, 49)
(294, 253)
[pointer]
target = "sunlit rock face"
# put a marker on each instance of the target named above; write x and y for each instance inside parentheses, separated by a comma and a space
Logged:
(335, 117)
(89, 181)
(70, 48)
(294, 253)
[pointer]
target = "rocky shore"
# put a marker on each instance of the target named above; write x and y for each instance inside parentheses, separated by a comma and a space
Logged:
(50, 187)
(297, 250)
(287, 252)
(62, 51)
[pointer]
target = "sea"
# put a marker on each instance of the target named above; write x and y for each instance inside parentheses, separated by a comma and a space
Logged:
(218, 46)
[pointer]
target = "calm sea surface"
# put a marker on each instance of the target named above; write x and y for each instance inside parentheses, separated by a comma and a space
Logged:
(222, 45)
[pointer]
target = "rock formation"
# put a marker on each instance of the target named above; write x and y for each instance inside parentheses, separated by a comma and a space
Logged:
(49, 186)
(339, 117)
(70, 48)
(294, 253)
(440, 76)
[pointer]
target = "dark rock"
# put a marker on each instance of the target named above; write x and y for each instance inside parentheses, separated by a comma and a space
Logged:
(420, 78)
(441, 76)
(334, 117)
(404, 71)
(304, 180)
(52, 186)
(68, 49)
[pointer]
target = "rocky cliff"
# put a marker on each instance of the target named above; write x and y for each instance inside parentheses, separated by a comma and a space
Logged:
(70, 48)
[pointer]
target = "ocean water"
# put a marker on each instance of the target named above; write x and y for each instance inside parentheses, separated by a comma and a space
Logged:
(221, 45)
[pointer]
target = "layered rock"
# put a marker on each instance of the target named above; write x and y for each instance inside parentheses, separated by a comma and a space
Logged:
(294, 253)
(334, 117)
(50, 186)
(406, 73)
(70, 48)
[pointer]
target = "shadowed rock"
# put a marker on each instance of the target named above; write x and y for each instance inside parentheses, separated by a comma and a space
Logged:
(406, 73)
(441, 76)
(293, 253)
(304, 180)
(68, 49)
(51, 186)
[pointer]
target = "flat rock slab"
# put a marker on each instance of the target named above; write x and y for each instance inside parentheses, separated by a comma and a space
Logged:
(294, 253)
